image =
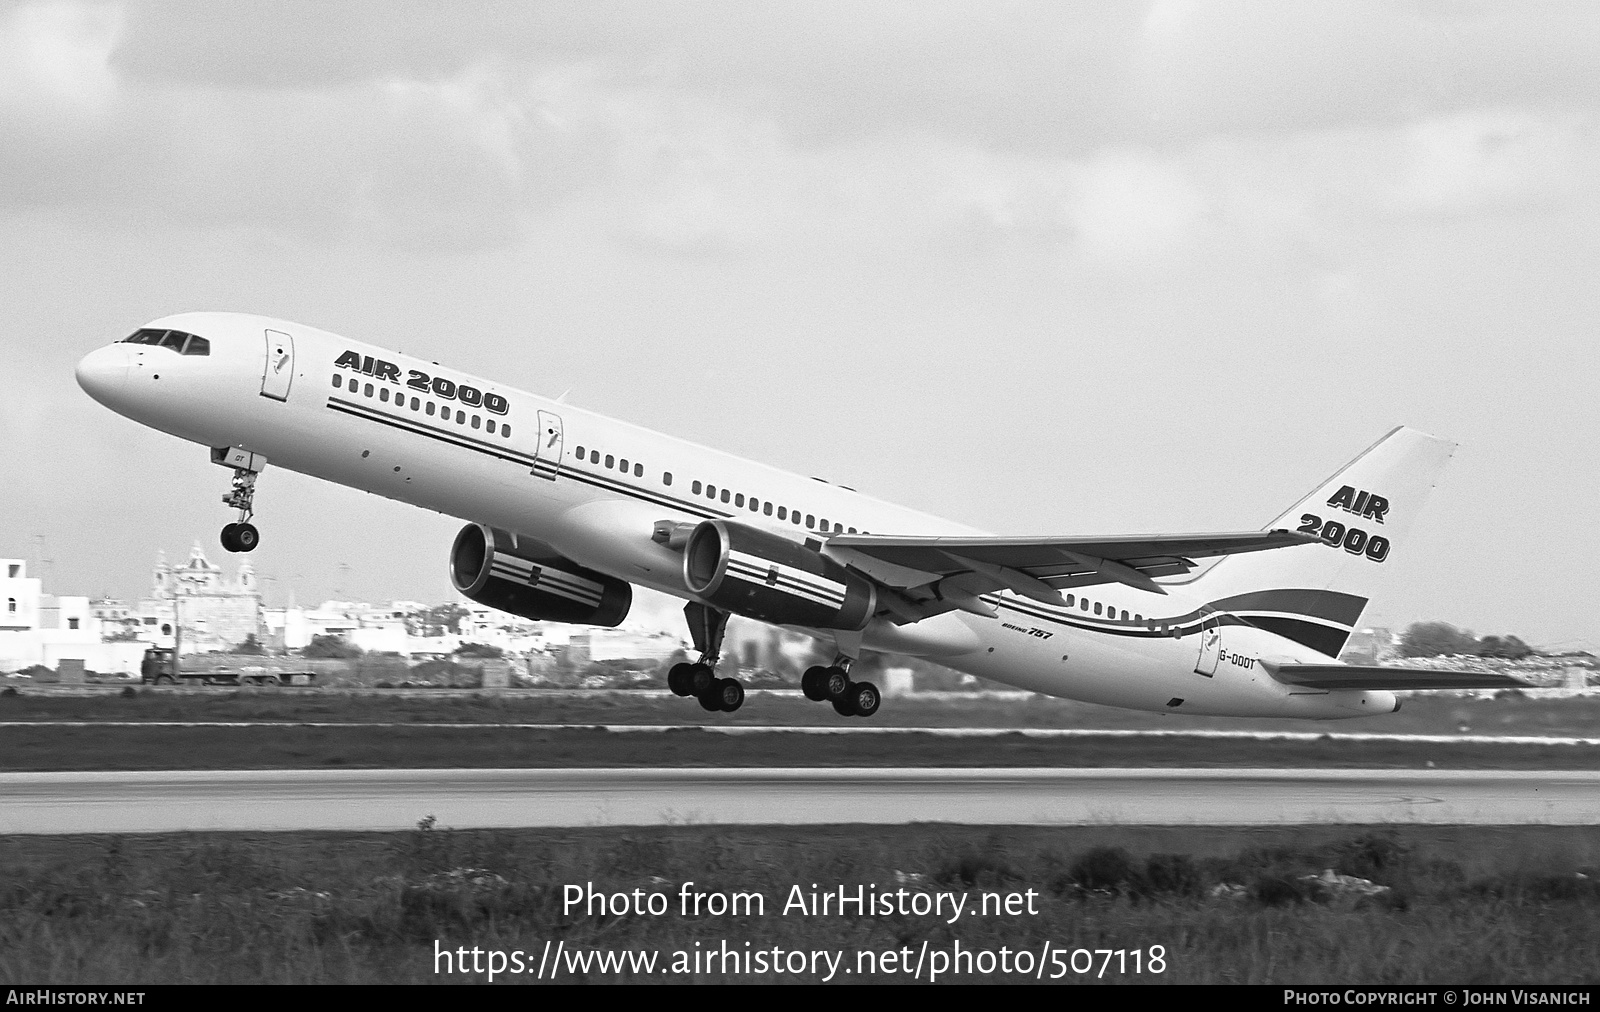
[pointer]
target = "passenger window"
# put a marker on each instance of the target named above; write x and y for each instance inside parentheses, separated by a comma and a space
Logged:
(1070, 600)
(368, 391)
(476, 420)
(638, 471)
(783, 512)
(695, 487)
(766, 508)
(622, 465)
(383, 394)
(1124, 615)
(666, 477)
(338, 382)
(610, 461)
(811, 520)
(1138, 618)
(490, 426)
(738, 500)
(580, 453)
(724, 495)
(505, 431)
(1097, 607)
(197, 346)
(429, 409)
(416, 404)
(711, 491)
(461, 417)
(594, 456)
(852, 530)
(1084, 604)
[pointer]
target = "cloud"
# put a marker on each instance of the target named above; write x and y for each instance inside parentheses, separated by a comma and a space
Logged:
(55, 59)
(661, 131)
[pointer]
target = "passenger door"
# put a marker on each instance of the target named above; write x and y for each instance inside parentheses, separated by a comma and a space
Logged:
(547, 462)
(278, 371)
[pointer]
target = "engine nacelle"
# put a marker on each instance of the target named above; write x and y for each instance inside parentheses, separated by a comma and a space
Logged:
(752, 572)
(529, 579)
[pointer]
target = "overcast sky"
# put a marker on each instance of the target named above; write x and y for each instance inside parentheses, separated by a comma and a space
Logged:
(1041, 268)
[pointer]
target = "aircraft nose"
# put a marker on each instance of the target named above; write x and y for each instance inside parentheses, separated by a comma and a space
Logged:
(102, 373)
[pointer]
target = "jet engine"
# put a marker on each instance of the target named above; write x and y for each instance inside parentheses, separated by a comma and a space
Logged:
(755, 573)
(527, 578)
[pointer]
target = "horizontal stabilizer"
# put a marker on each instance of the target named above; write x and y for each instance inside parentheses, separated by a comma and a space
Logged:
(1374, 676)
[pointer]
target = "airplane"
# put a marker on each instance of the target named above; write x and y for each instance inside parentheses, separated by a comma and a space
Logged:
(567, 510)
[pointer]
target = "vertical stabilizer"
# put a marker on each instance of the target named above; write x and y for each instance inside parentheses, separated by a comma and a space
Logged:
(1314, 594)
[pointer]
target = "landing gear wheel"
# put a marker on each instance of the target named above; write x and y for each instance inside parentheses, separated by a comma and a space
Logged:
(844, 706)
(710, 700)
(678, 679)
(811, 684)
(229, 533)
(835, 683)
(702, 679)
(246, 537)
(865, 699)
(729, 694)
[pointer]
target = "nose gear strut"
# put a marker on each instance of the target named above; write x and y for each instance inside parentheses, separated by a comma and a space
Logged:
(241, 536)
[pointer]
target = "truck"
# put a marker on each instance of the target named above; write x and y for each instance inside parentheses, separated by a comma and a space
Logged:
(158, 668)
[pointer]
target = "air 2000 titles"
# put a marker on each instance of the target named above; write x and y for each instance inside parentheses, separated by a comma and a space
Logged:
(420, 381)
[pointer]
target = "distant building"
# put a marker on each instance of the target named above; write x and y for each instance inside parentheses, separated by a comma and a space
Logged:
(42, 629)
(217, 613)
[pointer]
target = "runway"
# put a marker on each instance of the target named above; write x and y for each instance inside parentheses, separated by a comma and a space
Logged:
(389, 799)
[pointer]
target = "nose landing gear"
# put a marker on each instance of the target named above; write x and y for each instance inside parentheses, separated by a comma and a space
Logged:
(241, 536)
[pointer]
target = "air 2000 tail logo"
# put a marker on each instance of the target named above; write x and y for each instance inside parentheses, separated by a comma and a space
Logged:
(1335, 534)
(420, 381)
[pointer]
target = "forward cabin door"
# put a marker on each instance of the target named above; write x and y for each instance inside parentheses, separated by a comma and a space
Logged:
(1210, 646)
(278, 371)
(547, 456)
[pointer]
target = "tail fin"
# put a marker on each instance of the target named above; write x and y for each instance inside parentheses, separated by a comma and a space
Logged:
(1315, 594)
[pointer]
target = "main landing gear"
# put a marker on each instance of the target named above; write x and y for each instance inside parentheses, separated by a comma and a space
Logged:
(706, 626)
(832, 684)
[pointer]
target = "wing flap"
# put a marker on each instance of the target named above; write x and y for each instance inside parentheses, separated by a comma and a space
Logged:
(1375, 676)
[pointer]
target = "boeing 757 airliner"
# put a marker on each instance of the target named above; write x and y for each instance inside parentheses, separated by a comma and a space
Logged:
(566, 510)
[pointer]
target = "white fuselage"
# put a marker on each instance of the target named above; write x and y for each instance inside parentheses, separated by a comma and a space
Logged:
(398, 427)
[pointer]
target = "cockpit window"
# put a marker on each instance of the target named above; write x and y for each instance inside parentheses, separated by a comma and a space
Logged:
(177, 340)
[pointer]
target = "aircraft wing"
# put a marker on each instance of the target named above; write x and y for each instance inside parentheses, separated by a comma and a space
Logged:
(1375, 676)
(959, 569)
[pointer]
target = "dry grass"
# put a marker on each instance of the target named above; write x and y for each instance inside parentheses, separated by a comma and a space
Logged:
(1465, 906)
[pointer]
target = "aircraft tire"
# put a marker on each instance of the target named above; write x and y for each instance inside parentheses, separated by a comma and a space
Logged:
(730, 694)
(710, 700)
(246, 537)
(701, 679)
(678, 679)
(835, 683)
(844, 706)
(866, 698)
(229, 533)
(811, 684)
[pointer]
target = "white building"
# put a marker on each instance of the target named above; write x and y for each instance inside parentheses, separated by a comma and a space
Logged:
(42, 629)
